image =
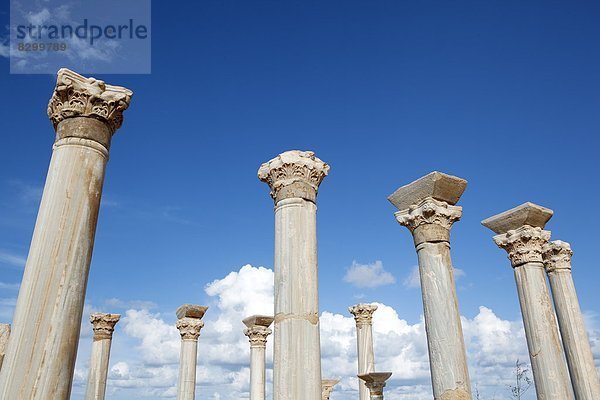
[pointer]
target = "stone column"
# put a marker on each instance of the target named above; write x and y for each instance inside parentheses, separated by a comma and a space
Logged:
(189, 323)
(363, 315)
(584, 377)
(520, 231)
(40, 358)
(427, 208)
(104, 326)
(294, 177)
(257, 330)
(327, 387)
(4, 335)
(375, 382)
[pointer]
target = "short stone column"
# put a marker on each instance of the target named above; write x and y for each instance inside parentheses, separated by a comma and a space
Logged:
(520, 231)
(104, 326)
(4, 335)
(427, 208)
(189, 323)
(257, 330)
(375, 382)
(40, 359)
(294, 177)
(576, 344)
(327, 387)
(363, 315)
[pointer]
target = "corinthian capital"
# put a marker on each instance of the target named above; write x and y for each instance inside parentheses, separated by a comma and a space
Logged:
(363, 313)
(557, 255)
(294, 174)
(524, 244)
(375, 381)
(78, 96)
(429, 220)
(104, 325)
(189, 328)
(327, 387)
(257, 335)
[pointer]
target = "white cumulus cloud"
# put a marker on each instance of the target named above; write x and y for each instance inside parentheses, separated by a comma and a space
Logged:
(368, 275)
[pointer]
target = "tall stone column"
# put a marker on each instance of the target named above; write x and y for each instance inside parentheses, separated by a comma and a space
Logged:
(4, 335)
(375, 382)
(104, 326)
(189, 323)
(427, 208)
(40, 359)
(257, 330)
(363, 315)
(520, 231)
(294, 177)
(583, 373)
(327, 387)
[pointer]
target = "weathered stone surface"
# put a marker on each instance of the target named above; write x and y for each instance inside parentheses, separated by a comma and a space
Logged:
(520, 233)
(257, 331)
(375, 382)
(189, 325)
(576, 344)
(4, 335)
(40, 358)
(363, 316)
(294, 174)
(294, 177)
(430, 220)
(525, 214)
(78, 96)
(437, 185)
(258, 320)
(104, 326)
(191, 311)
(327, 387)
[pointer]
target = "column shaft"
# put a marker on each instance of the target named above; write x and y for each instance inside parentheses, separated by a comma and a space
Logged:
(580, 360)
(40, 358)
(4, 335)
(366, 358)
(96, 388)
(297, 353)
(547, 363)
(257, 373)
(186, 389)
(447, 354)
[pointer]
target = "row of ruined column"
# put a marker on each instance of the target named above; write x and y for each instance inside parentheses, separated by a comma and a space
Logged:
(39, 358)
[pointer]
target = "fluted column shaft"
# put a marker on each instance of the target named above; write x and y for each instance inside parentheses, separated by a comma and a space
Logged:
(104, 326)
(363, 316)
(294, 177)
(40, 358)
(524, 246)
(576, 344)
(430, 222)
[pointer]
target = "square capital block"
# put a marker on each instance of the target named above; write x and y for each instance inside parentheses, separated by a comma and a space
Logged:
(258, 320)
(440, 186)
(191, 311)
(525, 214)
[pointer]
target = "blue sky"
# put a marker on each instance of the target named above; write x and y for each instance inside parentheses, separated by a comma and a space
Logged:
(503, 94)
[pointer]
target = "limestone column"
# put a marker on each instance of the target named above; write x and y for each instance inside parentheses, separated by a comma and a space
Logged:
(584, 377)
(375, 382)
(327, 387)
(427, 208)
(104, 326)
(4, 335)
(257, 330)
(363, 315)
(520, 231)
(294, 177)
(189, 323)
(40, 358)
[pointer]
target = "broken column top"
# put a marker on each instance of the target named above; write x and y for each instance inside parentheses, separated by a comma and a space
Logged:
(525, 214)
(258, 320)
(191, 311)
(438, 185)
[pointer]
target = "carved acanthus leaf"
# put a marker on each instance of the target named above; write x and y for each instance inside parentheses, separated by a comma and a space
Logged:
(429, 211)
(257, 335)
(78, 96)
(104, 324)
(557, 255)
(363, 313)
(189, 328)
(524, 244)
